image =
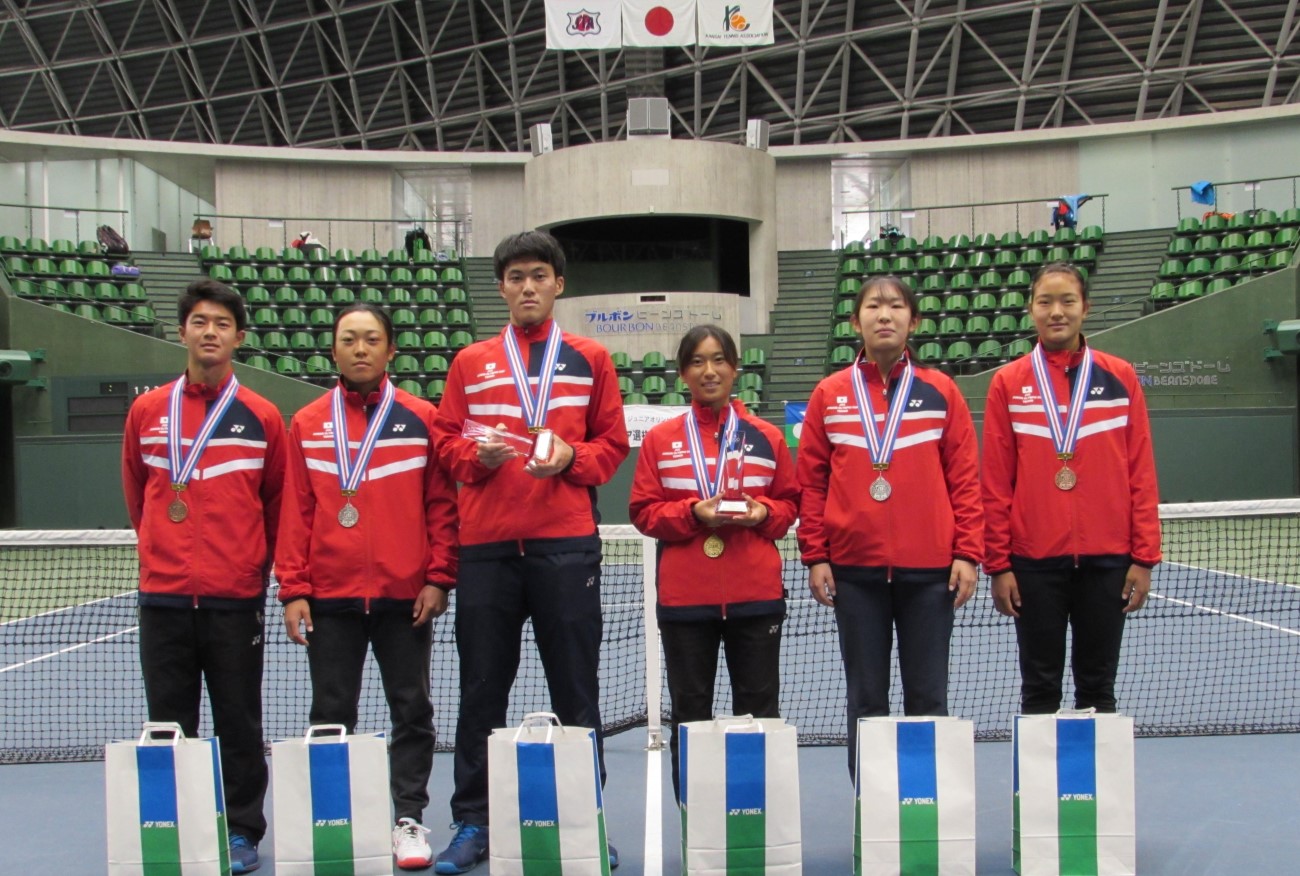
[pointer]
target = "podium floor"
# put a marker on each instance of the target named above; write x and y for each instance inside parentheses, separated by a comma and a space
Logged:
(1206, 805)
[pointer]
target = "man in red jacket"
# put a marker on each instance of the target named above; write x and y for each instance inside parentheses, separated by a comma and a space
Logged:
(202, 466)
(1070, 499)
(529, 545)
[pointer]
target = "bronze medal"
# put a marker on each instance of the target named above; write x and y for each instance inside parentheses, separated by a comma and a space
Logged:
(1066, 478)
(714, 546)
(177, 510)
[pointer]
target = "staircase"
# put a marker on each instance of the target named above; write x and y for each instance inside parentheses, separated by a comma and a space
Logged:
(487, 306)
(164, 276)
(1121, 283)
(801, 324)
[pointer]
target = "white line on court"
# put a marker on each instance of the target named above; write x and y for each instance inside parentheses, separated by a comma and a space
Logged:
(1228, 614)
(1236, 575)
(68, 649)
(19, 620)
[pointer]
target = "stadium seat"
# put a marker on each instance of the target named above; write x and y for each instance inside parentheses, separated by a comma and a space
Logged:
(375, 276)
(342, 295)
(753, 359)
(325, 340)
(1011, 239)
(426, 276)
(903, 265)
(425, 296)
(1198, 266)
(237, 253)
(879, 246)
(457, 316)
(1206, 244)
(286, 296)
(117, 315)
(1032, 258)
(979, 261)
(848, 288)
(622, 361)
(929, 304)
(843, 331)
(78, 289)
(407, 340)
(259, 362)
(625, 384)
(26, 289)
(926, 327)
(296, 274)
(434, 389)
(1005, 258)
(36, 246)
(460, 340)
(954, 261)
(398, 257)
(749, 398)
(293, 317)
(405, 364)
(1018, 348)
(1058, 254)
(455, 295)
(654, 386)
(1005, 324)
(1280, 259)
(961, 282)
(320, 317)
(1233, 241)
(319, 365)
(929, 264)
(1290, 216)
(988, 351)
(930, 352)
(1038, 237)
(435, 341)
(1093, 234)
(288, 366)
(1226, 264)
(403, 317)
(956, 303)
(1064, 235)
(1218, 285)
(1259, 240)
(324, 275)
(876, 266)
(301, 342)
(134, 292)
(11, 244)
(984, 241)
(105, 292)
(842, 355)
(1214, 222)
(72, 268)
(977, 325)
(854, 247)
(844, 309)
(1189, 290)
(398, 295)
(16, 265)
(371, 257)
(314, 295)
(264, 317)
(263, 254)
(1012, 300)
(88, 311)
(674, 398)
(401, 275)
(933, 283)
(1084, 254)
(430, 316)
(990, 280)
(653, 361)
(274, 274)
(984, 302)
(1188, 225)
(932, 244)
(1286, 236)
(750, 381)
(851, 268)
(1170, 268)
(435, 363)
(951, 325)
(221, 273)
(1241, 221)
(679, 385)
(344, 256)
(1027, 323)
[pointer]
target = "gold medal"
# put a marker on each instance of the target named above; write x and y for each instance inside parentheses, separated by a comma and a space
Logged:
(714, 546)
(177, 510)
(1066, 478)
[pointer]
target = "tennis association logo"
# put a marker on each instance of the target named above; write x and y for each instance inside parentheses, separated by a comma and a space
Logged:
(584, 22)
(732, 20)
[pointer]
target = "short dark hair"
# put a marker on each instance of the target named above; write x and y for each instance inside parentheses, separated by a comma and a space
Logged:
(374, 310)
(698, 335)
(218, 293)
(535, 245)
(1061, 268)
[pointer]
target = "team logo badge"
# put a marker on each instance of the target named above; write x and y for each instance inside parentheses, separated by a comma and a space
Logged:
(583, 23)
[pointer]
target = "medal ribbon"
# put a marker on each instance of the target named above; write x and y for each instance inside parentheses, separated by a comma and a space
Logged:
(534, 408)
(699, 462)
(1067, 435)
(881, 445)
(352, 468)
(181, 468)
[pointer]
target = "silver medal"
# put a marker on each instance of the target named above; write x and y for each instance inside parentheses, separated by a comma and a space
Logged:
(880, 489)
(349, 516)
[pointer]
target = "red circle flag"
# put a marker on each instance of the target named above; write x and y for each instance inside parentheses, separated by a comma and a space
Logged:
(659, 21)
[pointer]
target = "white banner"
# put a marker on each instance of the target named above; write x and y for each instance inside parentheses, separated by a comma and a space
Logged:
(735, 23)
(584, 24)
(642, 418)
(649, 23)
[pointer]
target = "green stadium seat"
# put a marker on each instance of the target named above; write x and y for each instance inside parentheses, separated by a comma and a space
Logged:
(1198, 266)
(852, 268)
(143, 315)
(375, 276)
(260, 362)
(78, 289)
(407, 340)
(844, 309)
(288, 366)
(319, 365)
(455, 295)
(398, 295)
(635, 398)
(435, 341)
(51, 289)
(984, 302)
(928, 304)
(1012, 299)
(1286, 236)
(653, 361)
(1093, 234)
(274, 274)
(1018, 348)
(1188, 225)
(252, 341)
(1191, 289)
(404, 317)
(990, 280)
(984, 241)
(930, 353)
(435, 363)
(979, 261)
(16, 265)
(1027, 323)
(750, 381)
(909, 281)
(134, 292)
(426, 276)
(398, 257)
(314, 295)
(1020, 279)
(674, 398)
(434, 389)
(1058, 254)
(1280, 259)
(1218, 284)
(1038, 237)
(246, 274)
(933, 283)
(1240, 221)
(1290, 216)
(98, 269)
(926, 327)
(625, 384)
(679, 385)
(452, 275)
(26, 289)
(72, 268)
(296, 274)
(1084, 254)
(903, 265)
(320, 317)
(1005, 324)
(1032, 258)
(325, 340)
(1259, 240)
(978, 325)
(842, 355)
(344, 256)
(461, 339)
(401, 275)
(1214, 222)
(88, 311)
(654, 386)
(854, 247)
(906, 244)
(1206, 244)
(956, 303)
(1233, 241)
(286, 296)
(962, 282)
(425, 296)
(264, 317)
(60, 307)
(458, 316)
(292, 254)
(114, 315)
(275, 341)
(954, 261)
(1005, 258)
(371, 257)
(749, 398)
(1171, 268)
(405, 364)
(1064, 234)
(959, 242)
(325, 275)
(411, 387)
(879, 246)
(36, 246)
(843, 331)
(1226, 264)
(342, 295)
(261, 254)
(929, 264)
(848, 288)
(293, 317)
(257, 296)
(348, 275)
(951, 325)
(429, 317)
(302, 341)
(933, 244)
(875, 266)
(221, 273)
(1011, 239)
(622, 361)
(988, 351)
(11, 244)
(105, 292)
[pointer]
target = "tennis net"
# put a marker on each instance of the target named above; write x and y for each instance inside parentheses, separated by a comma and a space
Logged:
(1214, 651)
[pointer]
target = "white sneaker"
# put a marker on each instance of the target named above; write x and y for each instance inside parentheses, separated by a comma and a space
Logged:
(410, 848)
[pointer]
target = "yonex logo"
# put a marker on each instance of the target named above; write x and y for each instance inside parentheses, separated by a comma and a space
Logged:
(1096, 390)
(236, 429)
(914, 403)
(399, 427)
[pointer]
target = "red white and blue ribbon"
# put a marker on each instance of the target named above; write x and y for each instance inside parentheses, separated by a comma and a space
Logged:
(1066, 435)
(351, 469)
(534, 407)
(181, 467)
(880, 444)
(707, 486)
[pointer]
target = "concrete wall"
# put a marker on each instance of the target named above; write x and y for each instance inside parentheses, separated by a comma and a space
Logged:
(803, 205)
(670, 178)
(497, 198)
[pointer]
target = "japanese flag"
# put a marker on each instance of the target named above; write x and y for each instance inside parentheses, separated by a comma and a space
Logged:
(649, 23)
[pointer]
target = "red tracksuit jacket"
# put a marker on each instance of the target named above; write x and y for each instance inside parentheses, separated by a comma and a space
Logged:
(506, 511)
(220, 554)
(746, 579)
(933, 515)
(406, 537)
(1111, 516)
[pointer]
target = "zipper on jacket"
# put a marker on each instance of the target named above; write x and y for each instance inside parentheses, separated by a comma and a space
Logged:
(520, 542)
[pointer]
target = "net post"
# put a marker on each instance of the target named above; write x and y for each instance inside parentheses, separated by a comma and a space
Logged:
(653, 862)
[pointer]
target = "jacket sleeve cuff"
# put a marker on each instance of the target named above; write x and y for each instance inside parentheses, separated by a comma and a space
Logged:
(995, 572)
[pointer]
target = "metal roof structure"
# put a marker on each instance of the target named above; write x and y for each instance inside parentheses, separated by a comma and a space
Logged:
(473, 75)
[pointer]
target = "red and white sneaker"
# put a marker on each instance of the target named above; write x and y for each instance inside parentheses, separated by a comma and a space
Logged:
(410, 848)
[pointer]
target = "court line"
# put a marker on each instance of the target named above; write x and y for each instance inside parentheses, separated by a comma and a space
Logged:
(1205, 608)
(66, 608)
(68, 649)
(1236, 575)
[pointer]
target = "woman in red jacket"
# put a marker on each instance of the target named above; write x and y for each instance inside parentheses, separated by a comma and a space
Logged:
(890, 524)
(366, 555)
(1070, 492)
(719, 574)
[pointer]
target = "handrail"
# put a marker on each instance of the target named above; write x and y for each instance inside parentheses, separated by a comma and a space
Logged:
(1254, 192)
(1037, 202)
(459, 225)
(55, 208)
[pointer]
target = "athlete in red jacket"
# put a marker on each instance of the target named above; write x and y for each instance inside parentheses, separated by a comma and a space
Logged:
(890, 512)
(367, 555)
(202, 468)
(529, 545)
(1071, 518)
(719, 577)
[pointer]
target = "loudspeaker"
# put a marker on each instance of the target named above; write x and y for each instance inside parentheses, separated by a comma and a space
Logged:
(540, 135)
(756, 134)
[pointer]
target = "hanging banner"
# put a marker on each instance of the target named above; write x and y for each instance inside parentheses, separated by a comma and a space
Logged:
(794, 414)
(640, 419)
(735, 23)
(650, 23)
(584, 24)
